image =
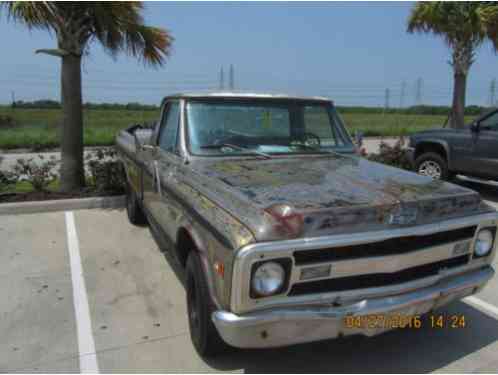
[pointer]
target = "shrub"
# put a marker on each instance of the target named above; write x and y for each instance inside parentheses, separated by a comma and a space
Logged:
(38, 174)
(106, 173)
(395, 155)
(6, 178)
(6, 121)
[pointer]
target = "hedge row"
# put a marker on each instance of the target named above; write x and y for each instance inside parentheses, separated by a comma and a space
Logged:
(471, 110)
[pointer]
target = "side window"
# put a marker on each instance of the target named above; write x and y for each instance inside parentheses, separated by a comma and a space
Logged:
(490, 122)
(317, 121)
(169, 128)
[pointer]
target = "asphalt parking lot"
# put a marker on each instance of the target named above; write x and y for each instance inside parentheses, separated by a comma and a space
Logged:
(87, 291)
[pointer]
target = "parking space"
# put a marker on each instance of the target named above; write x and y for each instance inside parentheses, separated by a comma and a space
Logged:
(137, 313)
(37, 318)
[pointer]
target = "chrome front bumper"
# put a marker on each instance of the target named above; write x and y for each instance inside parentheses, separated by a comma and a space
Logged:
(293, 325)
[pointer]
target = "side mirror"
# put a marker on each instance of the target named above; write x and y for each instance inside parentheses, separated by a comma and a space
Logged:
(474, 127)
(143, 139)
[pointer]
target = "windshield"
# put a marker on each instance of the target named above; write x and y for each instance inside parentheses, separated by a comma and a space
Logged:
(218, 128)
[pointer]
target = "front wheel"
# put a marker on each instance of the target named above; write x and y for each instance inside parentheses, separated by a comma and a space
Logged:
(205, 337)
(432, 165)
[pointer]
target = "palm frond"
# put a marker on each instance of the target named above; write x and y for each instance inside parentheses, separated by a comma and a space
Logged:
(150, 44)
(118, 26)
(455, 22)
(489, 17)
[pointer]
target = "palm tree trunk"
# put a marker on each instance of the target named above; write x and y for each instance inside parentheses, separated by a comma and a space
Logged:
(71, 171)
(458, 108)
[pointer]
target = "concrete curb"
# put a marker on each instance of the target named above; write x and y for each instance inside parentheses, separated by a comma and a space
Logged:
(14, 151)
(62, 205)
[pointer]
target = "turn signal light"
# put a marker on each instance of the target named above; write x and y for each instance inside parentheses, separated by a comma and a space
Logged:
(219, 268)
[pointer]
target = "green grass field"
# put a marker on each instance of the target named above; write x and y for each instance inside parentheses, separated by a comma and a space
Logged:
(39, 128)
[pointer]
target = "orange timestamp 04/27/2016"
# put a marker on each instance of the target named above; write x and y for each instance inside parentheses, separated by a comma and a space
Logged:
(390, 321)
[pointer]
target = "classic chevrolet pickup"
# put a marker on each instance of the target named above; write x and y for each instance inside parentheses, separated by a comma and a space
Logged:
(285, 233)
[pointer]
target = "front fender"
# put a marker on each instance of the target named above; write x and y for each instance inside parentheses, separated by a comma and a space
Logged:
(210, 250)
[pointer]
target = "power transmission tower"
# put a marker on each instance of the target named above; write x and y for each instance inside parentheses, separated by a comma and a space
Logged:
(402, 95)
(231, 82)
(13, 95)
(387, 97)
(222, 79)
(492, 93)
(418, 91)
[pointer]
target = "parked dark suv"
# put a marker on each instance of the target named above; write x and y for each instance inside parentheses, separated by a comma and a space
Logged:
(471, 151)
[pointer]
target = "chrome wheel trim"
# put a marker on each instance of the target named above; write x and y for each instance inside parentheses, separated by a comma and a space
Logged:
(430, 168)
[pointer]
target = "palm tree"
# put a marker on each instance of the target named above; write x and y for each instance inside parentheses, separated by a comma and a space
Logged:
(465, 26)
(117, 26)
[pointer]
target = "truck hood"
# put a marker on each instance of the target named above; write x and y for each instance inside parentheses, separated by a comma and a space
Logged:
(314, 196)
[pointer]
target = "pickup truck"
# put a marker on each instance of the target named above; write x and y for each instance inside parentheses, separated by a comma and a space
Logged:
(472, 151)
(286, 235)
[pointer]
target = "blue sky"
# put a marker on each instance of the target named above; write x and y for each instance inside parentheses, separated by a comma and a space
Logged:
(351, 52)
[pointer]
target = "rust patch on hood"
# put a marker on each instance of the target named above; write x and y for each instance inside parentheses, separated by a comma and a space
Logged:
(314, 183)
(332, 194)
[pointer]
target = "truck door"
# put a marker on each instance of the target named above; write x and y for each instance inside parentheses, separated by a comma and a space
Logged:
(462, 143)
(161, 204)
(486, 148)
(149, 159)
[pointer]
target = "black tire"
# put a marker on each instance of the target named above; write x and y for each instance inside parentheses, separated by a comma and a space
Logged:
(135, 214)
(203, 333)
(433, 165)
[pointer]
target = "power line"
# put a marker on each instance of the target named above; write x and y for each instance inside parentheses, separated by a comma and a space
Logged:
(492, 93)
(418, 91)
(386, 99)
(231, 78)
(402, 95)
(222, 79)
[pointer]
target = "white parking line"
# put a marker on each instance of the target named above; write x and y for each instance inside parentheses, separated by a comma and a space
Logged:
(487, 307)
(86, 344)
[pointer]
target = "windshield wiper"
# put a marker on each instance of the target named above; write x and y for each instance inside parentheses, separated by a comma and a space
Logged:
(240, 148)
(318, 149)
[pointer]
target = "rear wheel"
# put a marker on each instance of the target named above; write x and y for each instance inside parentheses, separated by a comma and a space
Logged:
(205, 337)
(133, 209)
(432, 165)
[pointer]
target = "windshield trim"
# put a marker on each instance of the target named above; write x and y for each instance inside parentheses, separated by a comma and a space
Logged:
(338, 126)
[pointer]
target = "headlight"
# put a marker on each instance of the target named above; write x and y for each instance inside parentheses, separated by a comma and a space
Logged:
(484, 243)
(268, 279)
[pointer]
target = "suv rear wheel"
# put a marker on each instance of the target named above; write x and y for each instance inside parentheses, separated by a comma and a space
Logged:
(432, 165)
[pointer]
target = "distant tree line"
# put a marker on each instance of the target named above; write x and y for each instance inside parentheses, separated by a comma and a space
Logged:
(53, 104)
(471, 110)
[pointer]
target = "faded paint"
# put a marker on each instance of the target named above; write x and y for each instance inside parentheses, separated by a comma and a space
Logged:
(235, 201)
(327, 194)
(333, 194)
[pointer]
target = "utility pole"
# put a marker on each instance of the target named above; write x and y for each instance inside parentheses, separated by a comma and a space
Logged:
(418, 91)
(231, 82)
(492, 93)
(402, 95)
(387, 96)
(222, 79)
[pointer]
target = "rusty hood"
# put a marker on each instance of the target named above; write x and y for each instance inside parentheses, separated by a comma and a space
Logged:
(322, 195)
